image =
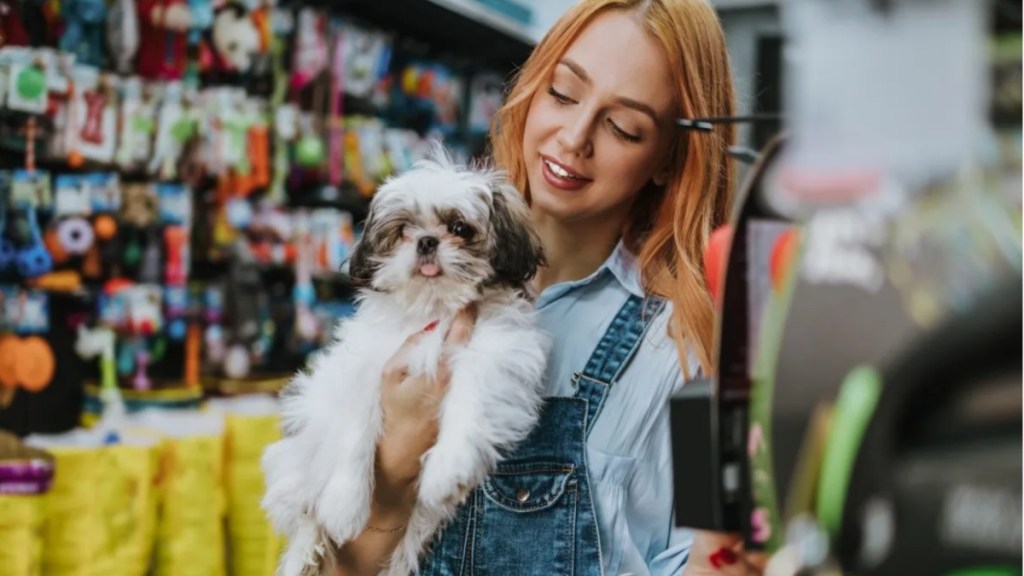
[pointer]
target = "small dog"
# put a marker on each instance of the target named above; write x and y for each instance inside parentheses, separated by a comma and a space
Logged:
(438, 238)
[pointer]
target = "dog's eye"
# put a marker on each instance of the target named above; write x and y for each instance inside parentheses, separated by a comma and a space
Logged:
(461, 229)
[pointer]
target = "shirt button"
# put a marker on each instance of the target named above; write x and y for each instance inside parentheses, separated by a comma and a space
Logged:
(522, 495)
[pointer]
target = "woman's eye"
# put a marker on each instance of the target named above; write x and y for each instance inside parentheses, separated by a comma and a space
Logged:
(461, 229)
(622, 134)
(559, 97)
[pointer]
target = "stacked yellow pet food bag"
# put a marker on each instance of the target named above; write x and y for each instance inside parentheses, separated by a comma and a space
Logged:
(25, 477)
(100, 513)
(252, 423)
(159, 492)
(190, 524)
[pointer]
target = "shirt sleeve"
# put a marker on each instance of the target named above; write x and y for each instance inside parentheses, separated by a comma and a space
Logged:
(672, 561)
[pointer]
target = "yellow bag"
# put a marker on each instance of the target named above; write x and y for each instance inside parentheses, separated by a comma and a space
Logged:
(101, 511)
(26, 475)
(190, 526)
(252, 424)
(21, 523)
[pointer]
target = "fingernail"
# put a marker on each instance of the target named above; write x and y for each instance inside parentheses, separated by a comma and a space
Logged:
(430, 327)
(723, 557)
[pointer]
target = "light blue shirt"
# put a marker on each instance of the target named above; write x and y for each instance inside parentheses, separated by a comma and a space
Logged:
(629, 448)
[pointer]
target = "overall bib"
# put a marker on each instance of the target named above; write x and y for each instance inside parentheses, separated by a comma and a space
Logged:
(534, 515)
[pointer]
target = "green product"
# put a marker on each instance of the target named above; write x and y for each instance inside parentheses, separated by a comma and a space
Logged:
(857, 399)
(31, 83)
(986, 571)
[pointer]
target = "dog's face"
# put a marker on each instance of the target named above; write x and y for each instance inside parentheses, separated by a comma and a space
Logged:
(442, 232)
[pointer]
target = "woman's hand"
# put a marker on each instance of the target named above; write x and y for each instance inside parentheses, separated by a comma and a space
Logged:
(410, 405)
(721, 554)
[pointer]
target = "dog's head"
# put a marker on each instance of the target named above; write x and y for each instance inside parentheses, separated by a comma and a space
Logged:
(442, 232)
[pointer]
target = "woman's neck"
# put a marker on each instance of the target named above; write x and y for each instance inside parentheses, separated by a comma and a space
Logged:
(573, 250)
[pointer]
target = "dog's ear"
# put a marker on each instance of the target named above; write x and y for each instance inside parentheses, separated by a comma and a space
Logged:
(516, 250)
(362, 264)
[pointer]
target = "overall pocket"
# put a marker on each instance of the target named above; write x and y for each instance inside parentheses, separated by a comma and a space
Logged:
(527, 520)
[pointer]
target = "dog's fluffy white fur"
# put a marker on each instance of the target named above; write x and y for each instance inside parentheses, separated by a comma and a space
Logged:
(480, 248)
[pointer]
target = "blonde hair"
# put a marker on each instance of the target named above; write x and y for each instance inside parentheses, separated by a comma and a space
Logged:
(669, 226)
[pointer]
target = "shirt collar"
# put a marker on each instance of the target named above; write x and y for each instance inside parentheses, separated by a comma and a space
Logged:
(621, 265)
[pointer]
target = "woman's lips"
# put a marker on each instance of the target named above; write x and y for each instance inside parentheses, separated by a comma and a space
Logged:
(561, 177)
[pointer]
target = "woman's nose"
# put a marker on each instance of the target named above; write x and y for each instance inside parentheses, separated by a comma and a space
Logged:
(575, 138)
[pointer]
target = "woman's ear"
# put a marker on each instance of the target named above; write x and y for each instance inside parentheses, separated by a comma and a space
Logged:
(661, 175)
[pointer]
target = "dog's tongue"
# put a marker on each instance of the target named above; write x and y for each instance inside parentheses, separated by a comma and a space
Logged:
(429, 269)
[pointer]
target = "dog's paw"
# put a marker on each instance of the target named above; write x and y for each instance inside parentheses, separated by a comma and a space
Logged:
(344, 506)
(446, 478)
(303, 551)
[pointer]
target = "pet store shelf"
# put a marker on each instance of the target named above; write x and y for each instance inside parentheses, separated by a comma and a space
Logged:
(462, 27)
(478, 12)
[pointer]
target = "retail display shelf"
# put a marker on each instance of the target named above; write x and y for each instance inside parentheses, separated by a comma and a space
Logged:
(461, 27)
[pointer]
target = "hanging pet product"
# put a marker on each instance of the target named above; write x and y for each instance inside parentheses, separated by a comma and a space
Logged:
(84, 22)
(95, 118)
(303, 293)
(9, 345)
(164, 25)
(33, 259)
(138, 124)
(36, 364)
(75, 235)
(336, 123)
(72, 196)
(26, 359)
(27, 88)
(213, 315)
(235, 39)
(8, 251)
(123, 34)
(174, 128)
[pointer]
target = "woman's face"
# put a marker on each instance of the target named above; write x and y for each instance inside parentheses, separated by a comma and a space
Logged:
(599, 129)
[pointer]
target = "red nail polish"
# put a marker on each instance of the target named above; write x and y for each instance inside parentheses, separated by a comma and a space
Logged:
(723, 557)
(430, 327)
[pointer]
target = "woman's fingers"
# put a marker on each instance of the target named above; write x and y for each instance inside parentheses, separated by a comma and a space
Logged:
(396, 370)
(461, 328)
(458, 335)
(722, 554)
(397, 367)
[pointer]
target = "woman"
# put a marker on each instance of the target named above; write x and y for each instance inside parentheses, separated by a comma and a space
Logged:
(624, 201)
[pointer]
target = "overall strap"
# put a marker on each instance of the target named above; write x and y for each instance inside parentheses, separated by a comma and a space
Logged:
(614, 351)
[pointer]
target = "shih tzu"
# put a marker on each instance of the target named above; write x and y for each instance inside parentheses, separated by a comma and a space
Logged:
(438, 238)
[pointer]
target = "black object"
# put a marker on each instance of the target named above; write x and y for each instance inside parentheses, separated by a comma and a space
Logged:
(709, 428)
(936, 485)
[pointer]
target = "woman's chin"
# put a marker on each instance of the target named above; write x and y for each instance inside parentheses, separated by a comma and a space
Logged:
(558, 207)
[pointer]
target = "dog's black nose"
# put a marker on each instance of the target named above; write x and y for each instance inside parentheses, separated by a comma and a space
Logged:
(426, 245)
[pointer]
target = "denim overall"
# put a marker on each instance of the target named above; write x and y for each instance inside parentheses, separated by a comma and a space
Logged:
(534, 515)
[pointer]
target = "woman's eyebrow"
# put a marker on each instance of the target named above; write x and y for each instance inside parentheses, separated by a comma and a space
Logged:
(621, 100)
(576, 69)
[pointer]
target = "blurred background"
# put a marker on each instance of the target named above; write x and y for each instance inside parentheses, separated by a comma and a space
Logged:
(181, 182)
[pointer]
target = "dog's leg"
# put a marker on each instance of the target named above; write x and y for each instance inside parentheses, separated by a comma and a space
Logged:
(458, 458)
(303, 551)
(343, 507)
